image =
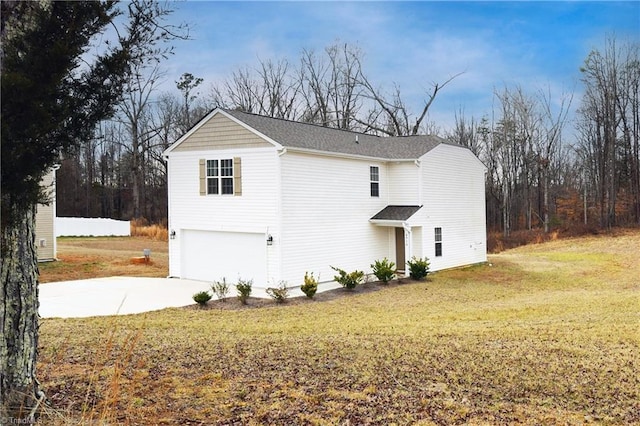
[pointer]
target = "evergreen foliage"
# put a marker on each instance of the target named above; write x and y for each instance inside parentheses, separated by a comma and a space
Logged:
(384, 270)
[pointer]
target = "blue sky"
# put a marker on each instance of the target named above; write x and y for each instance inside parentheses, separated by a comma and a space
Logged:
(538, 45)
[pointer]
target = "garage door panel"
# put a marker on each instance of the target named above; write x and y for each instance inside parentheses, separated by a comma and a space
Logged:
(209, 256)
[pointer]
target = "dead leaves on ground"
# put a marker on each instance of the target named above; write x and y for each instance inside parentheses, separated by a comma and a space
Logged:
(349, 379)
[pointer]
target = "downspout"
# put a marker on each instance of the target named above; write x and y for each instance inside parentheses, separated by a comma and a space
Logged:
(408, 244)
(418, 163)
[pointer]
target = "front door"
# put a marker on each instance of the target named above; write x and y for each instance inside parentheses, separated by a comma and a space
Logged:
(400, 254)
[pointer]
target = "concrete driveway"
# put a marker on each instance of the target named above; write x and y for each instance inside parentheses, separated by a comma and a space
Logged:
(115, 296)
(130, 295)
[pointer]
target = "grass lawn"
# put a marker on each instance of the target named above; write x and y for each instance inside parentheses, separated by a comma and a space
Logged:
(545, 334)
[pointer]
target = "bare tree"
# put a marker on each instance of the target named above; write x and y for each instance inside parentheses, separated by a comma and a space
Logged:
(330, 88)
(467, 132)
(549, 145)
(609, 114)
(239, 92)
(278, 93)
(390, 115)
(135, 115)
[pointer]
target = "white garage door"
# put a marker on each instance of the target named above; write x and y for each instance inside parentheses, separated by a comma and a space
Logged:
(209, 256)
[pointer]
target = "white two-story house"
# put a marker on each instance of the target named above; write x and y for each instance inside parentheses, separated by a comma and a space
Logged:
(267, 199)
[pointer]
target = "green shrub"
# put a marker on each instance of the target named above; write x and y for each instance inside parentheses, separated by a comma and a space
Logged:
(280, 293)
(202, 297)
(220, 289)
(418, 268)
(310, 286)
(244, 290)
(348, 280)
(384, 270)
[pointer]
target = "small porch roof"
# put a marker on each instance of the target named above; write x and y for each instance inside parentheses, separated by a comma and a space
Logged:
(394, 215)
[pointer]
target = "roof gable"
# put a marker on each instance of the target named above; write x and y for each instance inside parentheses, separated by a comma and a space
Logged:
(218, 130)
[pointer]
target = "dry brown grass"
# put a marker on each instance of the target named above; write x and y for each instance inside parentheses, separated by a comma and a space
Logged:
(142, 228)
(96, 257)
(546, 334)
(497, 242)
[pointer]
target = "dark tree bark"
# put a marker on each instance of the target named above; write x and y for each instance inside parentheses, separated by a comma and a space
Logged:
(19, 319)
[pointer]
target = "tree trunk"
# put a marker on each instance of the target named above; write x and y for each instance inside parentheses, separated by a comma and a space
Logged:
(506, 212)
(545, 180)
(18, 318)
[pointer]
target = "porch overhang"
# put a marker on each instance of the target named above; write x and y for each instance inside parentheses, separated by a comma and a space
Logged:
(394, 216)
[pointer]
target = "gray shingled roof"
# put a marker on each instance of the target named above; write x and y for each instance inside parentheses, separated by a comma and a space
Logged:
(396, 213)
(294, 134)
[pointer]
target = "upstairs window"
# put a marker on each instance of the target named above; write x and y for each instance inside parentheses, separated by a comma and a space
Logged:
(374, 176)
(220, 177)
(438, 240)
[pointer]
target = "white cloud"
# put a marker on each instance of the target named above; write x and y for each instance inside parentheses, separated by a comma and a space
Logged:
(411, 44)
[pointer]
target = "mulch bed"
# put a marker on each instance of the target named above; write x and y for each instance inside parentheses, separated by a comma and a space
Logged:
(232, 302)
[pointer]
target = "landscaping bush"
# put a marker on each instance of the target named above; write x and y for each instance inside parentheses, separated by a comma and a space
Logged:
(280, 293)
(244, 290)
(384, 270)
(221, 289)
(310, 286)
(348, 280)
(202, 297)
(418, 268)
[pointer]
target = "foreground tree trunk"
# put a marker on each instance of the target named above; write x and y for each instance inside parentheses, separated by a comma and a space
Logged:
(18, 319)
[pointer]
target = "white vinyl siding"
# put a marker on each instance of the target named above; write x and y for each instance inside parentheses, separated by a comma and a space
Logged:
(403, 184)
(326, 221)
(254, 212)
(453, 194)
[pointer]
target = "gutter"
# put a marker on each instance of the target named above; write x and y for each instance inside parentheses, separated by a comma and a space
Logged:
(344, 155)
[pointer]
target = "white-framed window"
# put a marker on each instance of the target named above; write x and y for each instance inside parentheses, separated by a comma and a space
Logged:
(374, 177)
(220, 177)
(438, 240)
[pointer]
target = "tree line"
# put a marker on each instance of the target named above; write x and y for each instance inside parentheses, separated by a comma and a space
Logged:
(546, 168)
(120, 172)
